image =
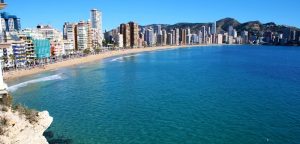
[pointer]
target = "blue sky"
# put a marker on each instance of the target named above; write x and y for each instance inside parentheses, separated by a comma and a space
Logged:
(56, 12)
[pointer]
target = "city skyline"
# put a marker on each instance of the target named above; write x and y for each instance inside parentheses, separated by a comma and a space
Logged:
(163, 12)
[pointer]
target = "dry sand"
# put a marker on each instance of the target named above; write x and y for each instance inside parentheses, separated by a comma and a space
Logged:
(22, 73)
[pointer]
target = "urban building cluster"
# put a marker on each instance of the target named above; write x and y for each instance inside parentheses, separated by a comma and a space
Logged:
(27, 47)
(131, 35)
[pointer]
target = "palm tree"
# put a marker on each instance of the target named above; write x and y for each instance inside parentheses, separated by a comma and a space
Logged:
(13, 58)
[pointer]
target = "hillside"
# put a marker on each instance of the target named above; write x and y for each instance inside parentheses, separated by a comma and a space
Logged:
(254, 27)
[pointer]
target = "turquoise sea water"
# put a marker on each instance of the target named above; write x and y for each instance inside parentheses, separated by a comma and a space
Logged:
(204, 95)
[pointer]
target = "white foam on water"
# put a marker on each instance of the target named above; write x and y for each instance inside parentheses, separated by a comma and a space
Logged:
(117, 59)
(121, 59)
(43, 79)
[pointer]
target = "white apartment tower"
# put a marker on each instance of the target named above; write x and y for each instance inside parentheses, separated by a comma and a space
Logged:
(214, 28)
(82, 35)
(96, 25)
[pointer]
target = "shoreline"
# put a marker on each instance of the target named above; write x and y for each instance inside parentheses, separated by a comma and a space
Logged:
(90, 58)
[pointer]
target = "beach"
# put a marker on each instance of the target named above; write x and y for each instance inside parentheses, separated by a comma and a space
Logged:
(22, 73)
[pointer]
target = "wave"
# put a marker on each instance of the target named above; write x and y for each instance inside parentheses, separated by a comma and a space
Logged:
(23, 84)
(121, 59)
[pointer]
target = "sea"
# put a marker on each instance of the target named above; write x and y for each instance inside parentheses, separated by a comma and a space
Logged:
(199, 95)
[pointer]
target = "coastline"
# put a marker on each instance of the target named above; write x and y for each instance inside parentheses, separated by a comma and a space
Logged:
(23, 73)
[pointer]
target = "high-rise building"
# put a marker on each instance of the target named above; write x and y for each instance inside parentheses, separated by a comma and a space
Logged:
(188, 36)
(234, 33)
(164, 35)
(134, 34)
(65, 30)
(169, 39)
(159, 41)
(19, 52)
(219, 39)
(96, 28)
(209, 31)
(225, 37)
(173, 34)
(55, 37)
(157, 30)
(230, 30)
(149, 35)
(48, 32)
(30, 54)
(268, 36)
(183, 36)
(203, 34)
(69, 47)
(200, 35)
(177, 37)
(292, 35)
(245, 37)
(298, 36)
(125, 31)
(194, 39)
(70, 33)
(214, 28)
(10, 22)
(82, 35)
(119, 40)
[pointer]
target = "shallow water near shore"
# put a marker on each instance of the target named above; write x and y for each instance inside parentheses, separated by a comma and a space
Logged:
(221, 94)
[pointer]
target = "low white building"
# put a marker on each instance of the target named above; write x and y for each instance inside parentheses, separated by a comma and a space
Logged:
(69, 47)
(119, 40)
(219, 39)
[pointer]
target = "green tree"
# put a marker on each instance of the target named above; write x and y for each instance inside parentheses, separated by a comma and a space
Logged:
(87, 51)
(97, 50)
(13, 58)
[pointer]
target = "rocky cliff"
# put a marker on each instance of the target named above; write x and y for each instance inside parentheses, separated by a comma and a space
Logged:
(23, 127)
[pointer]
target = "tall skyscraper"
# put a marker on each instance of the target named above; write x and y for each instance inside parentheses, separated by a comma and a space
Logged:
(164, 35)
(209, 31)
(170, 39)
(134, 34)
(200, 37)
(245, 37)
(173, 34)
(188, 36)
(65, 30)
(96, 25)
(214, 28)
(203, 32)
(82, 35)
(157, 30)
(183, 36)
(125, 31)
(70, 33)
(149, 37)
(298, 36)
(230, 31)
(176, 37)
(234, 33)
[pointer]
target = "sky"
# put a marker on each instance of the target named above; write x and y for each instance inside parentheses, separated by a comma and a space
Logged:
(115, 12)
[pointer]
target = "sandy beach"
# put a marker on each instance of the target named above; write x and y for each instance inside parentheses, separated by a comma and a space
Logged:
(22, 73)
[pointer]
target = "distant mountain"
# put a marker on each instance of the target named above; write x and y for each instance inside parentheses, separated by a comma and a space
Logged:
(254, 27)
(223, 24)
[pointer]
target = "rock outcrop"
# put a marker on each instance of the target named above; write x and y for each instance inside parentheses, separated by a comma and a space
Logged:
(16, 128)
